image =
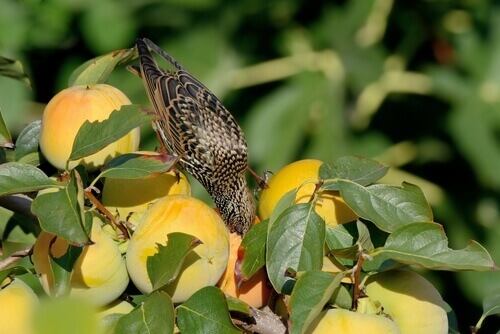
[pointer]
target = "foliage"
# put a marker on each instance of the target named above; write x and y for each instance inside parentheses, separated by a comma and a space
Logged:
(414, 85)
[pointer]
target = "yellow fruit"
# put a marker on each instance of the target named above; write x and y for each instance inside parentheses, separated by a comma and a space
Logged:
(118, 306)
(348, 322)
(133, 196)
(109, 314)
(68, 110)
(17, 306)
(255, 291)
(303, 174)
(179, 213)
(410, 300)
(99, 275)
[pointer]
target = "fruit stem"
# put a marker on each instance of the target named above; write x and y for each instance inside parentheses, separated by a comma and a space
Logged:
(357, 274)
(104, 211)
(317, 188)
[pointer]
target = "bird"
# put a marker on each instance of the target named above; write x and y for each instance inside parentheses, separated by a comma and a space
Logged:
(195, 126)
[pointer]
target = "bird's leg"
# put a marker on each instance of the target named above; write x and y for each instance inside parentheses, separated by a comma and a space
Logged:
(261, 181)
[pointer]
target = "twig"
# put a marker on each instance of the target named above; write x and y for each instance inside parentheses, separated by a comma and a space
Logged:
(16, 256)
(106, 212)
(357, 273)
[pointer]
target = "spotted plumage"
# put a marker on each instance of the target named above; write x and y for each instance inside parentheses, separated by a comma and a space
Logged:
(193, 124)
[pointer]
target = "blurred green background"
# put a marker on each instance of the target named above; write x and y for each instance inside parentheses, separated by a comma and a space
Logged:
(413, 84)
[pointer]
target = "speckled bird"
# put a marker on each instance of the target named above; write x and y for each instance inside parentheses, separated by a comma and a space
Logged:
(194, 125)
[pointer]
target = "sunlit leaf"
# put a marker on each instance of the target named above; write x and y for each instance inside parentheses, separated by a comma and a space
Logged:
(27, 142)
(93, 136)
(164, 266)
(206, 311)
(13, 69)
(357, 169)
(18, 177)
(295, 241)
(62, 212)
(136, 165)
(389, 207)
(426, 245)
(285, 202)
(97, 70)
(108, 322)
(310, 293)
(155, 315)
(253, 248)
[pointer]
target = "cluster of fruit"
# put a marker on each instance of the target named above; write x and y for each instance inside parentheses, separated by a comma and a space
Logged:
(397, 301)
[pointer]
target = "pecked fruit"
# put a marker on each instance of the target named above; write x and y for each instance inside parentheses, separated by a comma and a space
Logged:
(255, 291)
(68, 110)
(410, 300)
(303, 174)
(99, 275)
(18, 303)
(348, 322)
(203, 266)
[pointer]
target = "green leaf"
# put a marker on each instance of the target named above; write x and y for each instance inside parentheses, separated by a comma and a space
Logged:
(341, 297)
(27, 142)
(12, 271)
(253, 248)
(237, 305)
(164, 266)
(363, 241)
(13, 69)
(286, 201)
(94, 136)
(97, 70)
(16, 177)
(356, 169)
(426, 245)
(136, 165)
(5, 136)
(491, 303)
(341, 236)
(387, 206)
(155, 315)
(310, 293)
(62, 269)
(108, 322)
(491, 306)
(206, 311)
(295, 241)
(62, 213)
(65, 315)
